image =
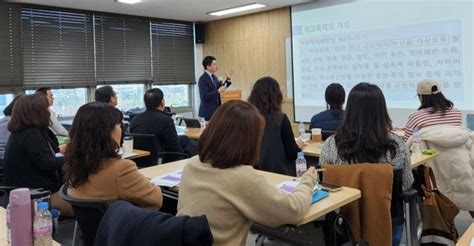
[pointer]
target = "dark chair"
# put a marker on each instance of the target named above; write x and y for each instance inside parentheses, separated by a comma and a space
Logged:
(149, 143)
(2, 172)
(88, 214)
(326, 134)
(191, 123)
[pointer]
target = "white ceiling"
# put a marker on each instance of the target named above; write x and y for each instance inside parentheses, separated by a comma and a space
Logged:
(189, 10)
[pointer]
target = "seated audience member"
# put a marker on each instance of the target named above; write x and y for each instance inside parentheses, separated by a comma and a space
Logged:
(95, 170)
(4, 132)
(364, 136)
(279, 148)
(331, 119)
(30, 160)
(222, 184)
(155, 121)
(56, 126)
(435, 109)
(106, 94)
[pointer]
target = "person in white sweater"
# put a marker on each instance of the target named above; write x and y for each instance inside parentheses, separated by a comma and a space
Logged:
(222, 184)
(56, 126)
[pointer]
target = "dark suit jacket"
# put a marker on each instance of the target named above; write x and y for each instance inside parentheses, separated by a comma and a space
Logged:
(160, 124)
(125, 224)
(209, 94)
(30, 161)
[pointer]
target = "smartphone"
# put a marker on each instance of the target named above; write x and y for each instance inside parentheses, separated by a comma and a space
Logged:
(330, 186)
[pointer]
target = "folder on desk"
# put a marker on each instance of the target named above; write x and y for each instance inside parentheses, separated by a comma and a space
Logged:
(168, 180)
(319, 195)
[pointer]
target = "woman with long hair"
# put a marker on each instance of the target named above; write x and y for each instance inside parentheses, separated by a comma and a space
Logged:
(365, 136)
(30, 155)
(222, 184)
(279, 148)
(95, 170)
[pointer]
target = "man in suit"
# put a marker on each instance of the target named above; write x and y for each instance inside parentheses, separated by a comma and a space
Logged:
(210, 88)
(155, 121)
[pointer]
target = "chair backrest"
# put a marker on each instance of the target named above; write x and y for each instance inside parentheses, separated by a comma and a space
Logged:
(396, 207)
(192, 123)
(149, 143)
(88, 214)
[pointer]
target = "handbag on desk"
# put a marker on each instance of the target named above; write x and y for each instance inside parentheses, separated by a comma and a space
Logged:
(338, 232)
(438, 214)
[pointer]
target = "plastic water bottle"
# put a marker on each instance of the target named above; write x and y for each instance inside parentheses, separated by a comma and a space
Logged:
(300, 164)
(416, 142)
(8, 226)
(43, 226)
(301, 129)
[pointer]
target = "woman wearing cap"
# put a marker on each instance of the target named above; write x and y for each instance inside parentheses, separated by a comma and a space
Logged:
(435, 109)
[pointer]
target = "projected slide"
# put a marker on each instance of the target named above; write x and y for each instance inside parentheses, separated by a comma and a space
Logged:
(391, 44)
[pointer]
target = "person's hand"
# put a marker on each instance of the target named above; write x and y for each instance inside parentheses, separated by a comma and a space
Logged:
(300, 143)
(62, 148)
(312, 171)
(228, 75)
(222, 89)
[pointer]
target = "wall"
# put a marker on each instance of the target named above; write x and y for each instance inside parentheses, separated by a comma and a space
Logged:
(253, 46)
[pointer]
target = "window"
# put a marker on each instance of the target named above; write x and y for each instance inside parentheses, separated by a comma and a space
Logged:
(129, 96)
(5, 99)
(176, 95)
(67, 101)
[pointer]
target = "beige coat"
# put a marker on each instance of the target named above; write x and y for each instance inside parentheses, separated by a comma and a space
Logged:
(234, 197)
(120, 179)
(454, 166)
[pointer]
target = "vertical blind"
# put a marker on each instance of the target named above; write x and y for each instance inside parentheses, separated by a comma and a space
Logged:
(58, 48)
(10, 47)
(173, 52)
(122, 49)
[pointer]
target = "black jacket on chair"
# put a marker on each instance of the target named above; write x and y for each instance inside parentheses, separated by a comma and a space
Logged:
(30, 161)
(125, 224)
(159, 123)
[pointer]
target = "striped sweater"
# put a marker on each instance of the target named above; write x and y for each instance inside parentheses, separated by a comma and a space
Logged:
(424, 117)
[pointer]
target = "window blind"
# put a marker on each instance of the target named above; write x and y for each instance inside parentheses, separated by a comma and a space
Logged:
(10, 47)
(58, 47)
(173, 52)
(122, 49)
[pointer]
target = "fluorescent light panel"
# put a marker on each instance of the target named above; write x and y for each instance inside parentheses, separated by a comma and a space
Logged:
(237, 9)
(129, 1)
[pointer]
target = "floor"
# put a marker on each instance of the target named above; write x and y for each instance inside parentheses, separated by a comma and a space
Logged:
(65, 231)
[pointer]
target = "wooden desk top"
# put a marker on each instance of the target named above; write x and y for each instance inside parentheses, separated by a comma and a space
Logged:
(3, 228)
(314, 149)
(136, 154)
(467, 237)
(193, 133)
(319, 209)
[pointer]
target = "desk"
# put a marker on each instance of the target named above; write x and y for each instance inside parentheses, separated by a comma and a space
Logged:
(314, 149)
(319, 209)
(3, 228)
(136, 154)
(193, 133)
(466, 238)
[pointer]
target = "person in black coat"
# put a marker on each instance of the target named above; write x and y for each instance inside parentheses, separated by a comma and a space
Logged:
(30, 154)
(279, 148)
(155, 121)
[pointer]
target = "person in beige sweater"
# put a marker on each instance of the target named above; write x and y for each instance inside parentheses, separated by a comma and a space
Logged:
(94, 170)
(222, 184)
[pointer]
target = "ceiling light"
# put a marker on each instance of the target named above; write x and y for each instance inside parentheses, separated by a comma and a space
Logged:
(128, 1)
(237, 9)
